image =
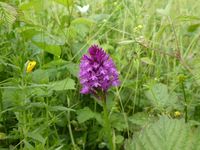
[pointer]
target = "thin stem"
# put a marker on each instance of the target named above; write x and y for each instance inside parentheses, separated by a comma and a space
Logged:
(69, 126)
(107, 123)
(185, 109)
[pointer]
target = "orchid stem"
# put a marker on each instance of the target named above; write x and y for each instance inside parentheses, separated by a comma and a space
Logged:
(107, 126)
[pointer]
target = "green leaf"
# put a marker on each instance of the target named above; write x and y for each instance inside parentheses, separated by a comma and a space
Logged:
(13, 96)
(59, 108)
(193, 27)
(139, 118)
(147, 60)
(160, 97)
(119, 139)
(36, 5)
(166, 10)
(8, 13)
(84, 21)
(118, 121)
(49, 39)
(66, 84)
(165, 134)
(52, 49)
(66, 3)
(86, 114)
(40, 76)
(28, 145)
(36, 136)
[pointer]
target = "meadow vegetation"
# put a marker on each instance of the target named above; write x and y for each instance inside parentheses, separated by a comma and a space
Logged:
(155, 45)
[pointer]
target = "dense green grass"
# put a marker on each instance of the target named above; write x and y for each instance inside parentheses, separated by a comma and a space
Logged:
(155, 45)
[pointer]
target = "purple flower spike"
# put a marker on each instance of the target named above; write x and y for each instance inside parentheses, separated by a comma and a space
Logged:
(97, 71)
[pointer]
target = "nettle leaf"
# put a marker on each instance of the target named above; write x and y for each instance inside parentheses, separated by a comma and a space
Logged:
(13, 96)
(140, 118)
(86, 114)
(165, 134)
(160, 97)
(66, 84)
(8, 13)
(118, 121)
(40, 76)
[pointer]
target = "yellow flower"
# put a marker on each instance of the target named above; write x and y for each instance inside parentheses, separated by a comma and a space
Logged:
(177, 113)
(30, 65)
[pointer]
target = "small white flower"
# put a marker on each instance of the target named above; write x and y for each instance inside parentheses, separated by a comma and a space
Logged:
(83, 9)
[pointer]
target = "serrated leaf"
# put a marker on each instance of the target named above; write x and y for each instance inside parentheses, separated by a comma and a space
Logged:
(160, 97)
(118, 121)
(40, 76)
(165, 134)
(66, 84)
(8, 13)
(84, 114)
(139, 118)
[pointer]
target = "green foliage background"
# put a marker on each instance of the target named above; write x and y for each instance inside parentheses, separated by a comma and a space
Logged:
(155, 45)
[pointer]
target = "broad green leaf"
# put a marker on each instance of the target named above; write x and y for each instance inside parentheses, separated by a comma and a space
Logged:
(119, 121)
(165, 134)
(52, 49)
(86, 114)
(73, 68)
(40, 76)
(160, 97)
(66, 84)
(8, 13)
(119, 139)
(139, 118)
(13, 96)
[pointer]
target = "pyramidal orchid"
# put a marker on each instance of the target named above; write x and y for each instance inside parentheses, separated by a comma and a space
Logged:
(97, 74)
(97, 71)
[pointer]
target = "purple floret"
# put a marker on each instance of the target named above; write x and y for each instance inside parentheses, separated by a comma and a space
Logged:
(97, 71)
